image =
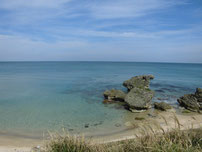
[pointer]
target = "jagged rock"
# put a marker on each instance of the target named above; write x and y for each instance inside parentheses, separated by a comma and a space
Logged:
(190, 102)
(114, 95)
(139, 95)
(138, 82)
(139, 99)
(162, 106)
(198, 94)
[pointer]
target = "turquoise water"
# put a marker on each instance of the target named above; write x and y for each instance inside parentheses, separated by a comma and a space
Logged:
(39, 96)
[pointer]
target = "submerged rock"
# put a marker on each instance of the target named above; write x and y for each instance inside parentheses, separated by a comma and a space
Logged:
(162, 106)
(190, 102)
(138, 82)
(86, 125)
(139, 99)
(118, 125)
(114, 95)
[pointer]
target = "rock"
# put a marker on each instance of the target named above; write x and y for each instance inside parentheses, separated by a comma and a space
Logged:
(198, 94)
(118, 125)
(139, 95)
(114, 95)
(162, 106)
(86, 125)
(152, 115)
(139, 99)
(107, 101)
(138, 82)
(190, 102)
(99, 123)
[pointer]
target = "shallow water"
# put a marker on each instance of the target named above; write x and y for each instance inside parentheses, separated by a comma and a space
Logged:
(40, 96)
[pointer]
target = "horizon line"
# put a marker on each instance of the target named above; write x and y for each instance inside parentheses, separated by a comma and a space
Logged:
(108, 61)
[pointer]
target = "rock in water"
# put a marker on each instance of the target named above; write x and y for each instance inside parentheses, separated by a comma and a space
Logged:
(189, 101)
(162, 106)
(198, 94)
(114, 95)
(138, 82)
(139, 95)
(139, 99)
(192, 102)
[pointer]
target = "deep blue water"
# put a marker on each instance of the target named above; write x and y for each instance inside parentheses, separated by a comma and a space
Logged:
(37, 96)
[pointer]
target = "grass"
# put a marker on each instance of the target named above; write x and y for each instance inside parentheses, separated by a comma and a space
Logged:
(150, 140)
(174, 141)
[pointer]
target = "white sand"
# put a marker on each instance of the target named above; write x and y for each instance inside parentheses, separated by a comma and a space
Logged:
(165, 119)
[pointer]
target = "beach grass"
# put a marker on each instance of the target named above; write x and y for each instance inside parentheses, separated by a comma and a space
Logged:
(174, 140)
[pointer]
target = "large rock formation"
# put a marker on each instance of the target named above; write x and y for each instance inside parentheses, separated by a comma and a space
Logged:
(138, 82)
(139, 99)
(198, 94)
(114, 95)
(192, 102)
(139, 95)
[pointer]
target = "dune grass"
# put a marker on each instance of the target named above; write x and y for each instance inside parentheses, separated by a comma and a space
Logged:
(173, 141)
(149, 140)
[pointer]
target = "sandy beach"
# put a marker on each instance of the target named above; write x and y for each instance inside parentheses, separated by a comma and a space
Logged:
(167, 120)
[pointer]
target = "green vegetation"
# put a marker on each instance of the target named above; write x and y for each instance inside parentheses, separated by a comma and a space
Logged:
(186, 111)
(139, 118)
(173, 141)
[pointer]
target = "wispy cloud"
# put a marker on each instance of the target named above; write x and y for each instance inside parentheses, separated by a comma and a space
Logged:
(34, 4)
(67, 29)
(128, 8)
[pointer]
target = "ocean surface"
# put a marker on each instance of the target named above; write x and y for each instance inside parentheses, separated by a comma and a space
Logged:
(40, 96)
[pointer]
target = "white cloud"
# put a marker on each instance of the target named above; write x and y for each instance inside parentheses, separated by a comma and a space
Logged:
(19, 48)
(100, 29)
(20, 4)
(32, 11)
(67, 33)
(128, 8)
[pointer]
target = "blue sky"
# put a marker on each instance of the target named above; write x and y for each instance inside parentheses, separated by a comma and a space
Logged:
(101, 30)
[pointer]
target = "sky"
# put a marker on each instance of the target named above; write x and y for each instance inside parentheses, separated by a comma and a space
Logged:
(101, 30)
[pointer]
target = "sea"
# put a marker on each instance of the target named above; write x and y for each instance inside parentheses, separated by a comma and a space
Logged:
(36, 97)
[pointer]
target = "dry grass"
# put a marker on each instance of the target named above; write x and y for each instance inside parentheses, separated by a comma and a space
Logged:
(150, 139)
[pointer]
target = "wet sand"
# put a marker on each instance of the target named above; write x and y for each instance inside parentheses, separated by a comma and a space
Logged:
(166, 120)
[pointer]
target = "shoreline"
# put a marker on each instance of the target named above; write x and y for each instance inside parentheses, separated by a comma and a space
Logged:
(187, 121)
(166, 120)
